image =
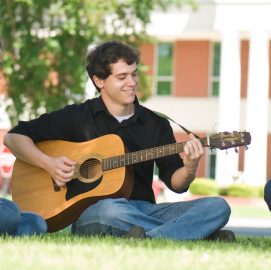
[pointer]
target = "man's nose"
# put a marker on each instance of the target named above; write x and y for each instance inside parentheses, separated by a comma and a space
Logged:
(132, 80)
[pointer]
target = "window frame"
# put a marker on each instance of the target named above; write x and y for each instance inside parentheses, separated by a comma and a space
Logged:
(163, 78)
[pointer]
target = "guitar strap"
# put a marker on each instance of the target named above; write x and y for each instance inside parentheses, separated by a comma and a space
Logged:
(182, 127)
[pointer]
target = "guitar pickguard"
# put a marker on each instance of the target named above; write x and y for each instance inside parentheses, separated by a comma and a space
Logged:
(76, 187)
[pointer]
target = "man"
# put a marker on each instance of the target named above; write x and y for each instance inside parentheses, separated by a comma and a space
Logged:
(112, 67)
(12, 220)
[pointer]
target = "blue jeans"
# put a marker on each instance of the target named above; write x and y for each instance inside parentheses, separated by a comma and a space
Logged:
(267, 193)
(16, 223)
(195, 219)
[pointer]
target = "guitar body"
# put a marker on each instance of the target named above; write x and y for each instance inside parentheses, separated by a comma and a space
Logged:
(33, 189)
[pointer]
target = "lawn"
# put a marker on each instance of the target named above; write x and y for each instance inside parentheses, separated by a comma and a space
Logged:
(64, 251)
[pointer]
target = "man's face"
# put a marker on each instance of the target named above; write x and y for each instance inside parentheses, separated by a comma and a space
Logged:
(121, 85)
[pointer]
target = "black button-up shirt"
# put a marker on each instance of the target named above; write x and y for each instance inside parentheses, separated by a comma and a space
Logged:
(91, 119)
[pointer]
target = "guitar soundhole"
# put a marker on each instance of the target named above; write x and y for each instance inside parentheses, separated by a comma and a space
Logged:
(90, 168)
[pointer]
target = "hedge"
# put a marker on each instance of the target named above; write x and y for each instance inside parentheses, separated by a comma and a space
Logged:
(209, 187)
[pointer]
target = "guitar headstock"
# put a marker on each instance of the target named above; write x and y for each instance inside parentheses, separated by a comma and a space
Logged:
(225, 140)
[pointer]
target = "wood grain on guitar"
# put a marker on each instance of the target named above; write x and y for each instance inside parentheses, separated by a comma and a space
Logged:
(103, 170)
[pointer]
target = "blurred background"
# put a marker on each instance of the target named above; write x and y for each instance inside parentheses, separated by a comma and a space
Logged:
(204, 63)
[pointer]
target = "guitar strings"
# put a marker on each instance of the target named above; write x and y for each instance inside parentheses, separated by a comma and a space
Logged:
(133, 157)
(138, 156)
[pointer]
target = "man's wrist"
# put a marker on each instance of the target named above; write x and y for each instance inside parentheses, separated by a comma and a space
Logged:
(191, 171)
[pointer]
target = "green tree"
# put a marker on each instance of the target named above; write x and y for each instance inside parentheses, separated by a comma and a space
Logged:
(46, 43)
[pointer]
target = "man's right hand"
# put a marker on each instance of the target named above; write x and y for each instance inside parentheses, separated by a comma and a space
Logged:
(61, 169)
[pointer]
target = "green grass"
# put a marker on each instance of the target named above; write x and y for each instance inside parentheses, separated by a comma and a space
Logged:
(242, 211)
(65, 251)
(68, 252)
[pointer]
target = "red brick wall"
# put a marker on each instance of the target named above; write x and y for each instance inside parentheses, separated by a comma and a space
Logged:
(147, 57)
(191, 68)
(244, 66)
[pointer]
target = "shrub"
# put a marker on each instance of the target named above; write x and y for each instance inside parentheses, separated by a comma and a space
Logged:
(261, 191)
(223, 191)
(204, 186)
(244, 190)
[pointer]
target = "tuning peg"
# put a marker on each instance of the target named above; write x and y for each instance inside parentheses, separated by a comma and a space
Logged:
(235, 150)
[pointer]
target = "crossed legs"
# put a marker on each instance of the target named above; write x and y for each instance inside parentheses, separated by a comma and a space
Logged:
(195, 219)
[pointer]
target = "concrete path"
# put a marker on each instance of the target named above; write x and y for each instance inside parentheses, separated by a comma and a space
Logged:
(250, 227)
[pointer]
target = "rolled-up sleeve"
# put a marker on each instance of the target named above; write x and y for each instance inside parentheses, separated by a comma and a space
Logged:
(169, 164)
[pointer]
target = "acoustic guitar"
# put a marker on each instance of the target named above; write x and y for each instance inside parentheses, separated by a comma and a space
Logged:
(103, 170)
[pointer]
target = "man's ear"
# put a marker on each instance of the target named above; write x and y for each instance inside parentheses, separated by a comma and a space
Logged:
(99, 82)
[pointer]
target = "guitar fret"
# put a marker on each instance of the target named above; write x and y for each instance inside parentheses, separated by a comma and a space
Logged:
(161, 151)
(126, 160)
(130, 158)
(122, 161)
(145, 157)
(111, 163)
(166, 150)
(116, 162)
(134, 157)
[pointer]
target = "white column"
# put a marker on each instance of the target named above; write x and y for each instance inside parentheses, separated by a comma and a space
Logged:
(229, 104)
(257, 108)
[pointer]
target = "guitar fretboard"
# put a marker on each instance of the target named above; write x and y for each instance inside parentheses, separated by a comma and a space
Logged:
(145, 155)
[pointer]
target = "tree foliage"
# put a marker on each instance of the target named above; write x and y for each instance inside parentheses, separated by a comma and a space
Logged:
(45, 45)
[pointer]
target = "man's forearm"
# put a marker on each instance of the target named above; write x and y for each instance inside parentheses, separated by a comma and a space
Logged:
(25, 149)
(182, 178)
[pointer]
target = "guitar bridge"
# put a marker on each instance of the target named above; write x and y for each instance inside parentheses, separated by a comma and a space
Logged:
(55, 186)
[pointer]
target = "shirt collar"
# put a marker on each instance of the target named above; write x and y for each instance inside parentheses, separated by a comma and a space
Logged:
(99, 106)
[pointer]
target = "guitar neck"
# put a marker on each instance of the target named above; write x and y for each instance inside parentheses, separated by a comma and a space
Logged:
(147, 154)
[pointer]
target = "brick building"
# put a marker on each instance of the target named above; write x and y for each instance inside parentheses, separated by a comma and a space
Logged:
(210, 72)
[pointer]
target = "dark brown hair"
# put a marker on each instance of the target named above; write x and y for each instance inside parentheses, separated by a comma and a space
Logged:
(110, 52)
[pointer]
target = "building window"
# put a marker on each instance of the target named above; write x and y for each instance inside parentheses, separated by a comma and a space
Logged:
(215, 76)
(211, 163)
(164, 76)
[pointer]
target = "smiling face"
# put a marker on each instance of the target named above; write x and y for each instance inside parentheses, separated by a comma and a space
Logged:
(118, 90)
